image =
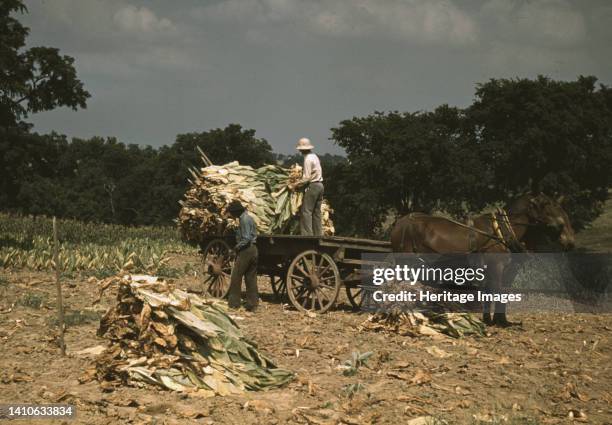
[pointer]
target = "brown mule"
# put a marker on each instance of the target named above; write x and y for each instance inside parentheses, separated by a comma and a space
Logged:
(527, 221)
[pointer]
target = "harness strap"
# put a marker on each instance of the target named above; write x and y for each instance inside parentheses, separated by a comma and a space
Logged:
(473, 229)
(512, 243)
(496, 228)
(512, 240)
(497, 233)
(471, 236)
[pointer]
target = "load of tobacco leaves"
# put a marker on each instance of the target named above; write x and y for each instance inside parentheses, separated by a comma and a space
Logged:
(263, 191)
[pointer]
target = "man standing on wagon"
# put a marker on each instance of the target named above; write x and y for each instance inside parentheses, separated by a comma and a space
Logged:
(312, 181)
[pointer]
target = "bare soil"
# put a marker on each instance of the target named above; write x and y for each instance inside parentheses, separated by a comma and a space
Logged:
(555, 368)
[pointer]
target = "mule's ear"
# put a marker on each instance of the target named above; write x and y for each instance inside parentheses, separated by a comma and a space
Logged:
(560, 199)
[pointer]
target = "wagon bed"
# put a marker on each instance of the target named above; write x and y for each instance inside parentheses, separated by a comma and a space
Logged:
(310, 270)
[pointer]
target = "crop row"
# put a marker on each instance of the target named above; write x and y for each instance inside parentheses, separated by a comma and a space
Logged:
(26, 242)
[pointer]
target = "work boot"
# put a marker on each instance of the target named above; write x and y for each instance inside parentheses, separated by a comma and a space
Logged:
(499, 319)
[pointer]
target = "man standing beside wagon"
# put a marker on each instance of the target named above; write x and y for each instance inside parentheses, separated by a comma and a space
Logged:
(247, 255)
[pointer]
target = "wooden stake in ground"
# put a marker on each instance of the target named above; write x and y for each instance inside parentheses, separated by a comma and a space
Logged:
(60, 301)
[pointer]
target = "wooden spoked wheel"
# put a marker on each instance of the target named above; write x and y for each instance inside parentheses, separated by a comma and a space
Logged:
(357, 291)
(279, 286)
(313, 282)
(355, 295)
(218, 263)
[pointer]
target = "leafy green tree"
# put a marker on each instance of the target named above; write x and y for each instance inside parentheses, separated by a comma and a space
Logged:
(32, 80)
(400, 162)
(232, 143)
(519, 135)
(546, 135)
(104, 180)
(23, 157)
(328, 160)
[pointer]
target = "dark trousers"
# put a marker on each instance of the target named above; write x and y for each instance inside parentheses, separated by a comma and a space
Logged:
(245, 266)
(310, 218)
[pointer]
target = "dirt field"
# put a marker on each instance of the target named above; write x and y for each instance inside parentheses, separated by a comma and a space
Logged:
(553, 369)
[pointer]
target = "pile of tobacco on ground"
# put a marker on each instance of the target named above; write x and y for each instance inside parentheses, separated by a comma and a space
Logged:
(421, 317)
(424, 322)
(163, 336)
(264, 191)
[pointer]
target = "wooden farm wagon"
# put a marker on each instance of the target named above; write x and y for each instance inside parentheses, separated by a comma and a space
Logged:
(311, 269)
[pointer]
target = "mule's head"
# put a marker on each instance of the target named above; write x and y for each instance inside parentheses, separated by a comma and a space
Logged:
(552, 219)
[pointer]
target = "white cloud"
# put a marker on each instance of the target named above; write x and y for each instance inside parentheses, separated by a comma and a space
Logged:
(514, 60)
(529, 37)
(114, 37)
(537, 22)
(89, 17)
(553, 20)
(417, 21)
(140, 19)
(257, 11)
(129, 63)
(101, 18)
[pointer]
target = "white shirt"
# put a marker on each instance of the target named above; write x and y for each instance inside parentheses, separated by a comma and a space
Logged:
(312, 171)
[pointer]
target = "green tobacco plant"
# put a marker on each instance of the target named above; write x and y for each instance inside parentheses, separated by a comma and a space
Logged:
(94, 249)
(351, 389)
(352, 365)
(31, 300)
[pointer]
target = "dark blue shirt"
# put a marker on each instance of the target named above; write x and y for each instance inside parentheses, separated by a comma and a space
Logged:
(246, 233)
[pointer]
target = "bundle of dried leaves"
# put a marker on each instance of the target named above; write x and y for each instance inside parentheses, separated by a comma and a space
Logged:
(425, 322)
(163, 336)
(264, 191)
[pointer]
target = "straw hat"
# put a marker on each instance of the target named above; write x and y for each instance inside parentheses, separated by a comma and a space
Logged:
(304, 144)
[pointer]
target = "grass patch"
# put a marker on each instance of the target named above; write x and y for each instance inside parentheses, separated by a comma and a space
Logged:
(102, 273)
(327, 405)
(168, 272)
(19, 231)
(76, 318)
(32, 300)
(598, 235)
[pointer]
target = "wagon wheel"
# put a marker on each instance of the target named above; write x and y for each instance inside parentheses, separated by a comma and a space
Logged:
(218, 263)
(279, 286)
(313, 281)
(355, 295)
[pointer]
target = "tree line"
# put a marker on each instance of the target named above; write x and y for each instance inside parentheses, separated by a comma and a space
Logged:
(102, 179)
(518, 135)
